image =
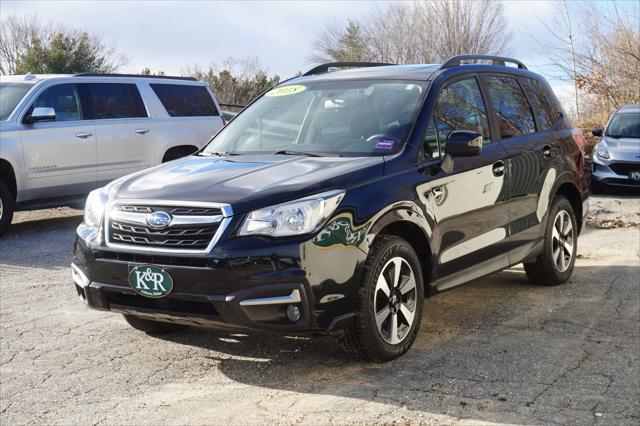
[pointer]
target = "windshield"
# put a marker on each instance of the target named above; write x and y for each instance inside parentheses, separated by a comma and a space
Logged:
(350, 118)
(624, 125)
(10, 95)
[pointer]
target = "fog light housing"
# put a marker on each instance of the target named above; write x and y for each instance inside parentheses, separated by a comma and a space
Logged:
(293, 313)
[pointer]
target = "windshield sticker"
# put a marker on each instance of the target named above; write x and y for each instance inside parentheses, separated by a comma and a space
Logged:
(386, 144)
(286, 90)
(341, 231)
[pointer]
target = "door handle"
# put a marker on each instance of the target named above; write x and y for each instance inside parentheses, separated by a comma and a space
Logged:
(546, 151)
(83, 135)
(498, 168)
(142, 131)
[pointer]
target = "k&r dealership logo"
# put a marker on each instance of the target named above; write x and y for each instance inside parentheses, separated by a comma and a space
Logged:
(150, 281)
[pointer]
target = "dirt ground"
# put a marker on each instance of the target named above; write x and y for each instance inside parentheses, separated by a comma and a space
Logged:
(498, 350)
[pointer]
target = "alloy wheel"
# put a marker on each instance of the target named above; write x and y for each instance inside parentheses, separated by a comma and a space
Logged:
(562, 241)
(395, 300)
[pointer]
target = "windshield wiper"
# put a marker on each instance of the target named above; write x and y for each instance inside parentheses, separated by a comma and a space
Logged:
(290, 152)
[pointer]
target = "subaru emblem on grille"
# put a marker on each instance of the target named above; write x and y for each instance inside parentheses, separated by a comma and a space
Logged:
(159, 219)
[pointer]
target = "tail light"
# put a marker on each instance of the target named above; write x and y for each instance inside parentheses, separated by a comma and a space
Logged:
(577, 136)
(579, 139)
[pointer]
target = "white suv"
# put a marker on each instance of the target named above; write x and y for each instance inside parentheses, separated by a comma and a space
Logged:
(62, 136)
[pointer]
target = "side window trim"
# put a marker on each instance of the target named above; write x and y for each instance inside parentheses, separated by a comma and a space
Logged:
(83, 110)
(491, 112)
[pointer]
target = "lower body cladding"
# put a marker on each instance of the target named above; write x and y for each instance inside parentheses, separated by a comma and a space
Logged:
(261, 293)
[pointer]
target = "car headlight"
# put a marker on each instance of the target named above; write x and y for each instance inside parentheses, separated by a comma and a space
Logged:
(602, 152)
(294, 218)
(94, 207)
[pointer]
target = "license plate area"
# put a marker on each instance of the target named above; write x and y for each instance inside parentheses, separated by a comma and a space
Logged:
(150, 281)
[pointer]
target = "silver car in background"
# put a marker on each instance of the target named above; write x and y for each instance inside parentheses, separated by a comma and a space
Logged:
(616, 158)
(62, 136)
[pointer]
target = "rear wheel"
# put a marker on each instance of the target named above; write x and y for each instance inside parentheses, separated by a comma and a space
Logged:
(555, 264)
(389, 302)
(7, 204)
(153, 327)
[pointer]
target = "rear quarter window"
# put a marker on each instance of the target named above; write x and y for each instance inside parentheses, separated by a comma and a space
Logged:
(185, 101)
(544, 102)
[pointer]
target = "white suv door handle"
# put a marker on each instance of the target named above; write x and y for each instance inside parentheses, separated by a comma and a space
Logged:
(83, 135)
(142, 131)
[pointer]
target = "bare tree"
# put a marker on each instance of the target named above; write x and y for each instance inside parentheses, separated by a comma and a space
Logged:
(16, 35)
(237, 81)
(418, 32)
(597, 47)
(28, 44)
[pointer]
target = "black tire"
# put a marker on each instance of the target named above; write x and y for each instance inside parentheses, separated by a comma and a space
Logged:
(545, 270)
(597, 187)
(363, 339)
(153, 327)
(6, 207)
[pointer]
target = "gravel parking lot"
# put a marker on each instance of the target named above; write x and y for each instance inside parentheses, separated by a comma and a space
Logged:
(497, 350)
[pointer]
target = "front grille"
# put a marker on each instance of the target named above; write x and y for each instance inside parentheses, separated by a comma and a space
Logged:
(179, 211)
(192, 229)
(624, 168)
(194, 237)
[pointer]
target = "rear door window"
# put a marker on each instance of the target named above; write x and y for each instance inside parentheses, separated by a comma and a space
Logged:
(185, 101)
(515, 117)
(64, 99)
(114, 100)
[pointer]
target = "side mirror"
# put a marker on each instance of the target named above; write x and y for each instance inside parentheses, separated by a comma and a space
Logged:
(596, 132)
(463, 143)
(41, 114)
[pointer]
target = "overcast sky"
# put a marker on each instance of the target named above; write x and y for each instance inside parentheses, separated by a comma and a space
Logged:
(173, 35)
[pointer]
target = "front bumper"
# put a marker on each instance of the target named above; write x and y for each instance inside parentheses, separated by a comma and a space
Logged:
(236, 293)
(603, 172)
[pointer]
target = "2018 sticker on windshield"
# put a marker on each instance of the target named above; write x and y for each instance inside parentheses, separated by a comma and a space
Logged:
(287, 90)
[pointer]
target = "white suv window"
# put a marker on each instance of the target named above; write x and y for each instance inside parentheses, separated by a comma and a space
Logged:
(181, 100)
(114, 100)
(64, 99)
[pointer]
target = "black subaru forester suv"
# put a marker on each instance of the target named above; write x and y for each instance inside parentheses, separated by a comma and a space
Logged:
(338, 200)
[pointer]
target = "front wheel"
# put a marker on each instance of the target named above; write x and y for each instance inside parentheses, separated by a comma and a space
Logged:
(389, 302)
(7, 205)
(555, 265)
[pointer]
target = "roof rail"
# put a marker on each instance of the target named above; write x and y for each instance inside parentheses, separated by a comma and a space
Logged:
(495, 60)
(324, 68)
(168, 77)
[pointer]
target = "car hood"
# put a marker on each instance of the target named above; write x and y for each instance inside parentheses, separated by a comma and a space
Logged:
(623, 149)
(247, 181)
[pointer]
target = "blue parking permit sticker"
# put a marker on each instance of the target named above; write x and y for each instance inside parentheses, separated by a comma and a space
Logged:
(386, 144)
